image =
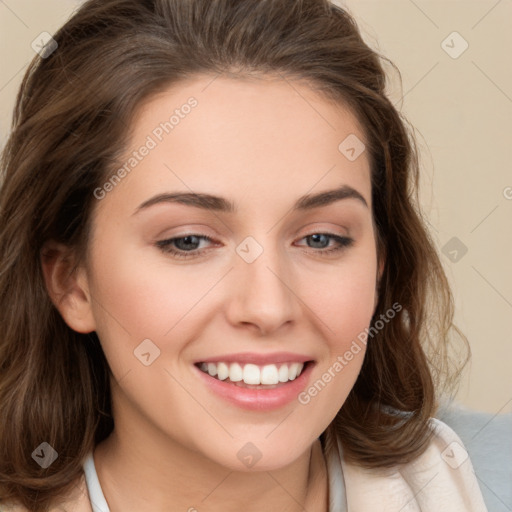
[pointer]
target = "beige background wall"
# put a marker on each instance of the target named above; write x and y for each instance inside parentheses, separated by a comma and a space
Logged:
(461, 105)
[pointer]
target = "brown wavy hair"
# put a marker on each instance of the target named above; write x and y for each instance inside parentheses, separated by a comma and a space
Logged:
(71, 124)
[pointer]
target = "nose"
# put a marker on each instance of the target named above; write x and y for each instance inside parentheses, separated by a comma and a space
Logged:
(264, 293)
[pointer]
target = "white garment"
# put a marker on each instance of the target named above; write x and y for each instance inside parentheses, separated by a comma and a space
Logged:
(442, 479)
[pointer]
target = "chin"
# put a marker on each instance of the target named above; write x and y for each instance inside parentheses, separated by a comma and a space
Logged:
(260, 454)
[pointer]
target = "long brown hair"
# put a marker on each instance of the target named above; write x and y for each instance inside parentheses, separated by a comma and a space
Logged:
(71, 123)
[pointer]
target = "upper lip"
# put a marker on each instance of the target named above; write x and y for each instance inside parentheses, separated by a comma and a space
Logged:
(258, 359)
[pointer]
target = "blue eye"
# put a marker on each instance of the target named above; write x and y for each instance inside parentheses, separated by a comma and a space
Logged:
(322, 238)
(188, 246)
(183, 244)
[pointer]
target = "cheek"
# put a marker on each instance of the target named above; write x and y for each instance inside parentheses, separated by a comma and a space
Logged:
(344, 304)
(344, 299)
(142, 293)
(128, 306)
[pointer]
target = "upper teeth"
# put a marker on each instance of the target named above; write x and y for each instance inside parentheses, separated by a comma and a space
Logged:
(253, 374)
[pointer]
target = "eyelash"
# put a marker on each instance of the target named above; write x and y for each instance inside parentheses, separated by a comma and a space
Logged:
(166, 245)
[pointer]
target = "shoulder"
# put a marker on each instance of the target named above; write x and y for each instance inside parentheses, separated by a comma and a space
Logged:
(77, 500)
(441, 479)
(447, 463)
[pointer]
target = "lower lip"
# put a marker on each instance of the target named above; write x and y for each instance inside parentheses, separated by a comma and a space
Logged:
(259, 399)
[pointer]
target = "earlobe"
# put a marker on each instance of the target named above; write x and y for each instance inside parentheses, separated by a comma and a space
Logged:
(67, 287)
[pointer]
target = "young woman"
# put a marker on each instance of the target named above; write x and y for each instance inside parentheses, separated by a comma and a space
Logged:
(217, 290)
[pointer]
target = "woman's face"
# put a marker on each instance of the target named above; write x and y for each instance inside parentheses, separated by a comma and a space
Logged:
(252, 288)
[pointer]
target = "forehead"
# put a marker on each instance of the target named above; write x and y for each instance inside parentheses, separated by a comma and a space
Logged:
(251, 137)
(260, 106)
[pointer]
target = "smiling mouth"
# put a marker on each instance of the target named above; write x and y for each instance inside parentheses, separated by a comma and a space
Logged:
(254, 376)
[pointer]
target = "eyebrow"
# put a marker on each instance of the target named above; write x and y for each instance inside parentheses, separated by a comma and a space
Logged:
(220, 204)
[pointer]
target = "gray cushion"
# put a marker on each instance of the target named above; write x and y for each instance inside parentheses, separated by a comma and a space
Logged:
(488, 441)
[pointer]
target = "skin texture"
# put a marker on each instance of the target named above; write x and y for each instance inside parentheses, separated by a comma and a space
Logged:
(261, 144)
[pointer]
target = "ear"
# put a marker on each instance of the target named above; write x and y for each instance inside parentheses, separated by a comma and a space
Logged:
(67, 287)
